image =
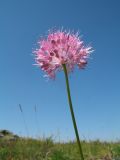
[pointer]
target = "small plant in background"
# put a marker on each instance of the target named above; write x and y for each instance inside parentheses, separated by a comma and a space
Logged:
(63, 51)
(36, 120)
(23, 117)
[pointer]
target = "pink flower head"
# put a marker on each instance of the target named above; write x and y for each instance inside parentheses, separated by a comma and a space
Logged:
(60, 48)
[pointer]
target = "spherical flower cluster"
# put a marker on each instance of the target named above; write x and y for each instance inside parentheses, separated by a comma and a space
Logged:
(61, 47)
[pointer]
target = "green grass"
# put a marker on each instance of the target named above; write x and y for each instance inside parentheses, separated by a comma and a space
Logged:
(47, 149)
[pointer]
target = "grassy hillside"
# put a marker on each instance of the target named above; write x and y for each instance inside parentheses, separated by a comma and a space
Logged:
(47, 149)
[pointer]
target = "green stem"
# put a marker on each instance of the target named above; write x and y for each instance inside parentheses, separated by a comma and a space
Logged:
(72, 112)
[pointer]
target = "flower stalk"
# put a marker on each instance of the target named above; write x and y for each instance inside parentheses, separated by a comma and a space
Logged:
(72, 112)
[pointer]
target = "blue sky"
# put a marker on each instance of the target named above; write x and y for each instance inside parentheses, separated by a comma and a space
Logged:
(95, 90)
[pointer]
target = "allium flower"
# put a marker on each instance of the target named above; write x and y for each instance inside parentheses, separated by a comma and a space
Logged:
(61, 48)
